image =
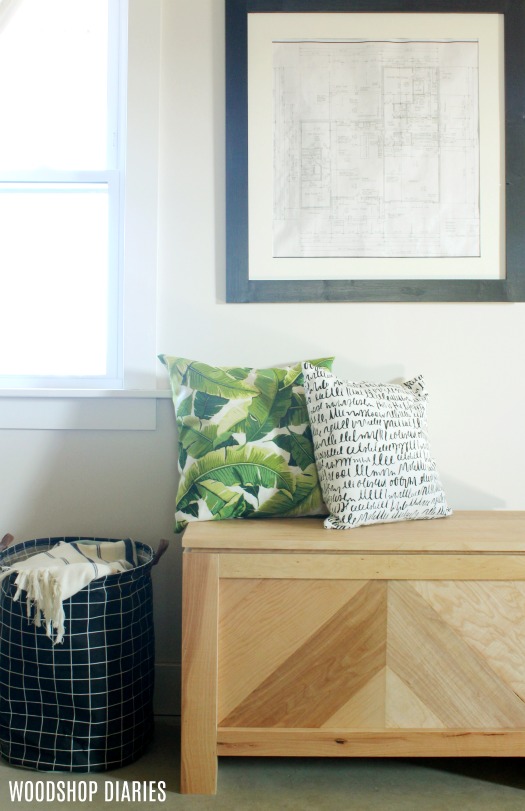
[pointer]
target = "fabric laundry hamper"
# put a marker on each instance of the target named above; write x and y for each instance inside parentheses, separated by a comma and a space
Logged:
(84, 704)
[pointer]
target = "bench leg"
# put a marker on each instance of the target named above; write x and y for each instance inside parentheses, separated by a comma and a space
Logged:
(200, 592)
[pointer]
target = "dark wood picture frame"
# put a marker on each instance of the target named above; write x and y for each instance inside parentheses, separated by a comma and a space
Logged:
(240, 288)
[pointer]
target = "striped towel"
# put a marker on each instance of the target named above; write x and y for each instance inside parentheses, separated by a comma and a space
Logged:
(50, 577)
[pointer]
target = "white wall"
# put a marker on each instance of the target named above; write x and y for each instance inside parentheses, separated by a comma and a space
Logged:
(469, 353)
(123, 483)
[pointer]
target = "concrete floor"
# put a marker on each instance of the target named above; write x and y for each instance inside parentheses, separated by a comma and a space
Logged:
(271, 784)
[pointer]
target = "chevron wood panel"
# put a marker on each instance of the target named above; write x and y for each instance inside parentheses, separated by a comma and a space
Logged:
(262, 623)
(365, 710)
(443, 670)
(371, 655)
(490, 617)
(404, 709)
(324, 672)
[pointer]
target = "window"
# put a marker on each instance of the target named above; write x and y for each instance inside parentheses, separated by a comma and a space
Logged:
(62, 96)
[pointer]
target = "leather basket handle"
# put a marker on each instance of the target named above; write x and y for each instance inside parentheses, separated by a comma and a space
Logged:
(6, 541)
(163, 545)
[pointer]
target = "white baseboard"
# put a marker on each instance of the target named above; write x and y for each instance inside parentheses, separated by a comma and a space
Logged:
(166, 699)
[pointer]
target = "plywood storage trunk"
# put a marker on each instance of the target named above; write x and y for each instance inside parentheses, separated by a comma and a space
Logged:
(403, 639)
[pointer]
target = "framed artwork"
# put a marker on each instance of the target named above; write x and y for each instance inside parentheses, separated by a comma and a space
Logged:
(375, 150)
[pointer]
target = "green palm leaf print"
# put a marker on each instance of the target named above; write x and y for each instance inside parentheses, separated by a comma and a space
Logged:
(243, 467)
(217, 381)
(307, 498)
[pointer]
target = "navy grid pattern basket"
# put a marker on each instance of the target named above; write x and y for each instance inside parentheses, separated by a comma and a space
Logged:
(85, 704)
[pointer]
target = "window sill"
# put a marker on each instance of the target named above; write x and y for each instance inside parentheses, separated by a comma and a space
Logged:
(80, 409)
(133, 394)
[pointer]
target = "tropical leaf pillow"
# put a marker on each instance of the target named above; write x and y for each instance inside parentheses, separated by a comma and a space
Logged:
(245, 444)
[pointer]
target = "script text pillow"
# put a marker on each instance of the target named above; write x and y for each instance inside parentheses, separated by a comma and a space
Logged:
(245, 445)
(372, 450)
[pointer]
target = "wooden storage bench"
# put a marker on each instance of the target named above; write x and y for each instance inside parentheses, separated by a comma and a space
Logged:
(403, 639)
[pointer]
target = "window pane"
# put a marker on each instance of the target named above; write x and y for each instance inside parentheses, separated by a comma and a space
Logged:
(54, 280)
(53, 81)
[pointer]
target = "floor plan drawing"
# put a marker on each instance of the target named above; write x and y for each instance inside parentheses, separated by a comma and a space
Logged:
(376, 149)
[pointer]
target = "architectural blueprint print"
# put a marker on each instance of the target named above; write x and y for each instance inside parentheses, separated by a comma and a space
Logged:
(376, 149)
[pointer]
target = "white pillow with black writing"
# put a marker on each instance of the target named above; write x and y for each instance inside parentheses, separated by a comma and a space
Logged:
(371, 449)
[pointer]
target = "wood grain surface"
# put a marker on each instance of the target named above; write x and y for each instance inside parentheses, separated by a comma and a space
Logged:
(199, 674)
(464, 531)
(378, 566)
(403, 639)
(372, 654)
(260, 742)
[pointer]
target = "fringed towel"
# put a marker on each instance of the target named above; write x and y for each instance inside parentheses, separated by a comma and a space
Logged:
(50, 577)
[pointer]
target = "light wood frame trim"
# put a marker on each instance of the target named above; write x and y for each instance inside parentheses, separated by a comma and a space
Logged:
(262, 742)
(476, 531)
(372, 567)
(200, 598)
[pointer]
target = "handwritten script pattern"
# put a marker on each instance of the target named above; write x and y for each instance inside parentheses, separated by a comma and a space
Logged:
(372, 451)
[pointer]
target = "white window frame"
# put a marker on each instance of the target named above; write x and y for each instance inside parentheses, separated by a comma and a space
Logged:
(131, 403)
